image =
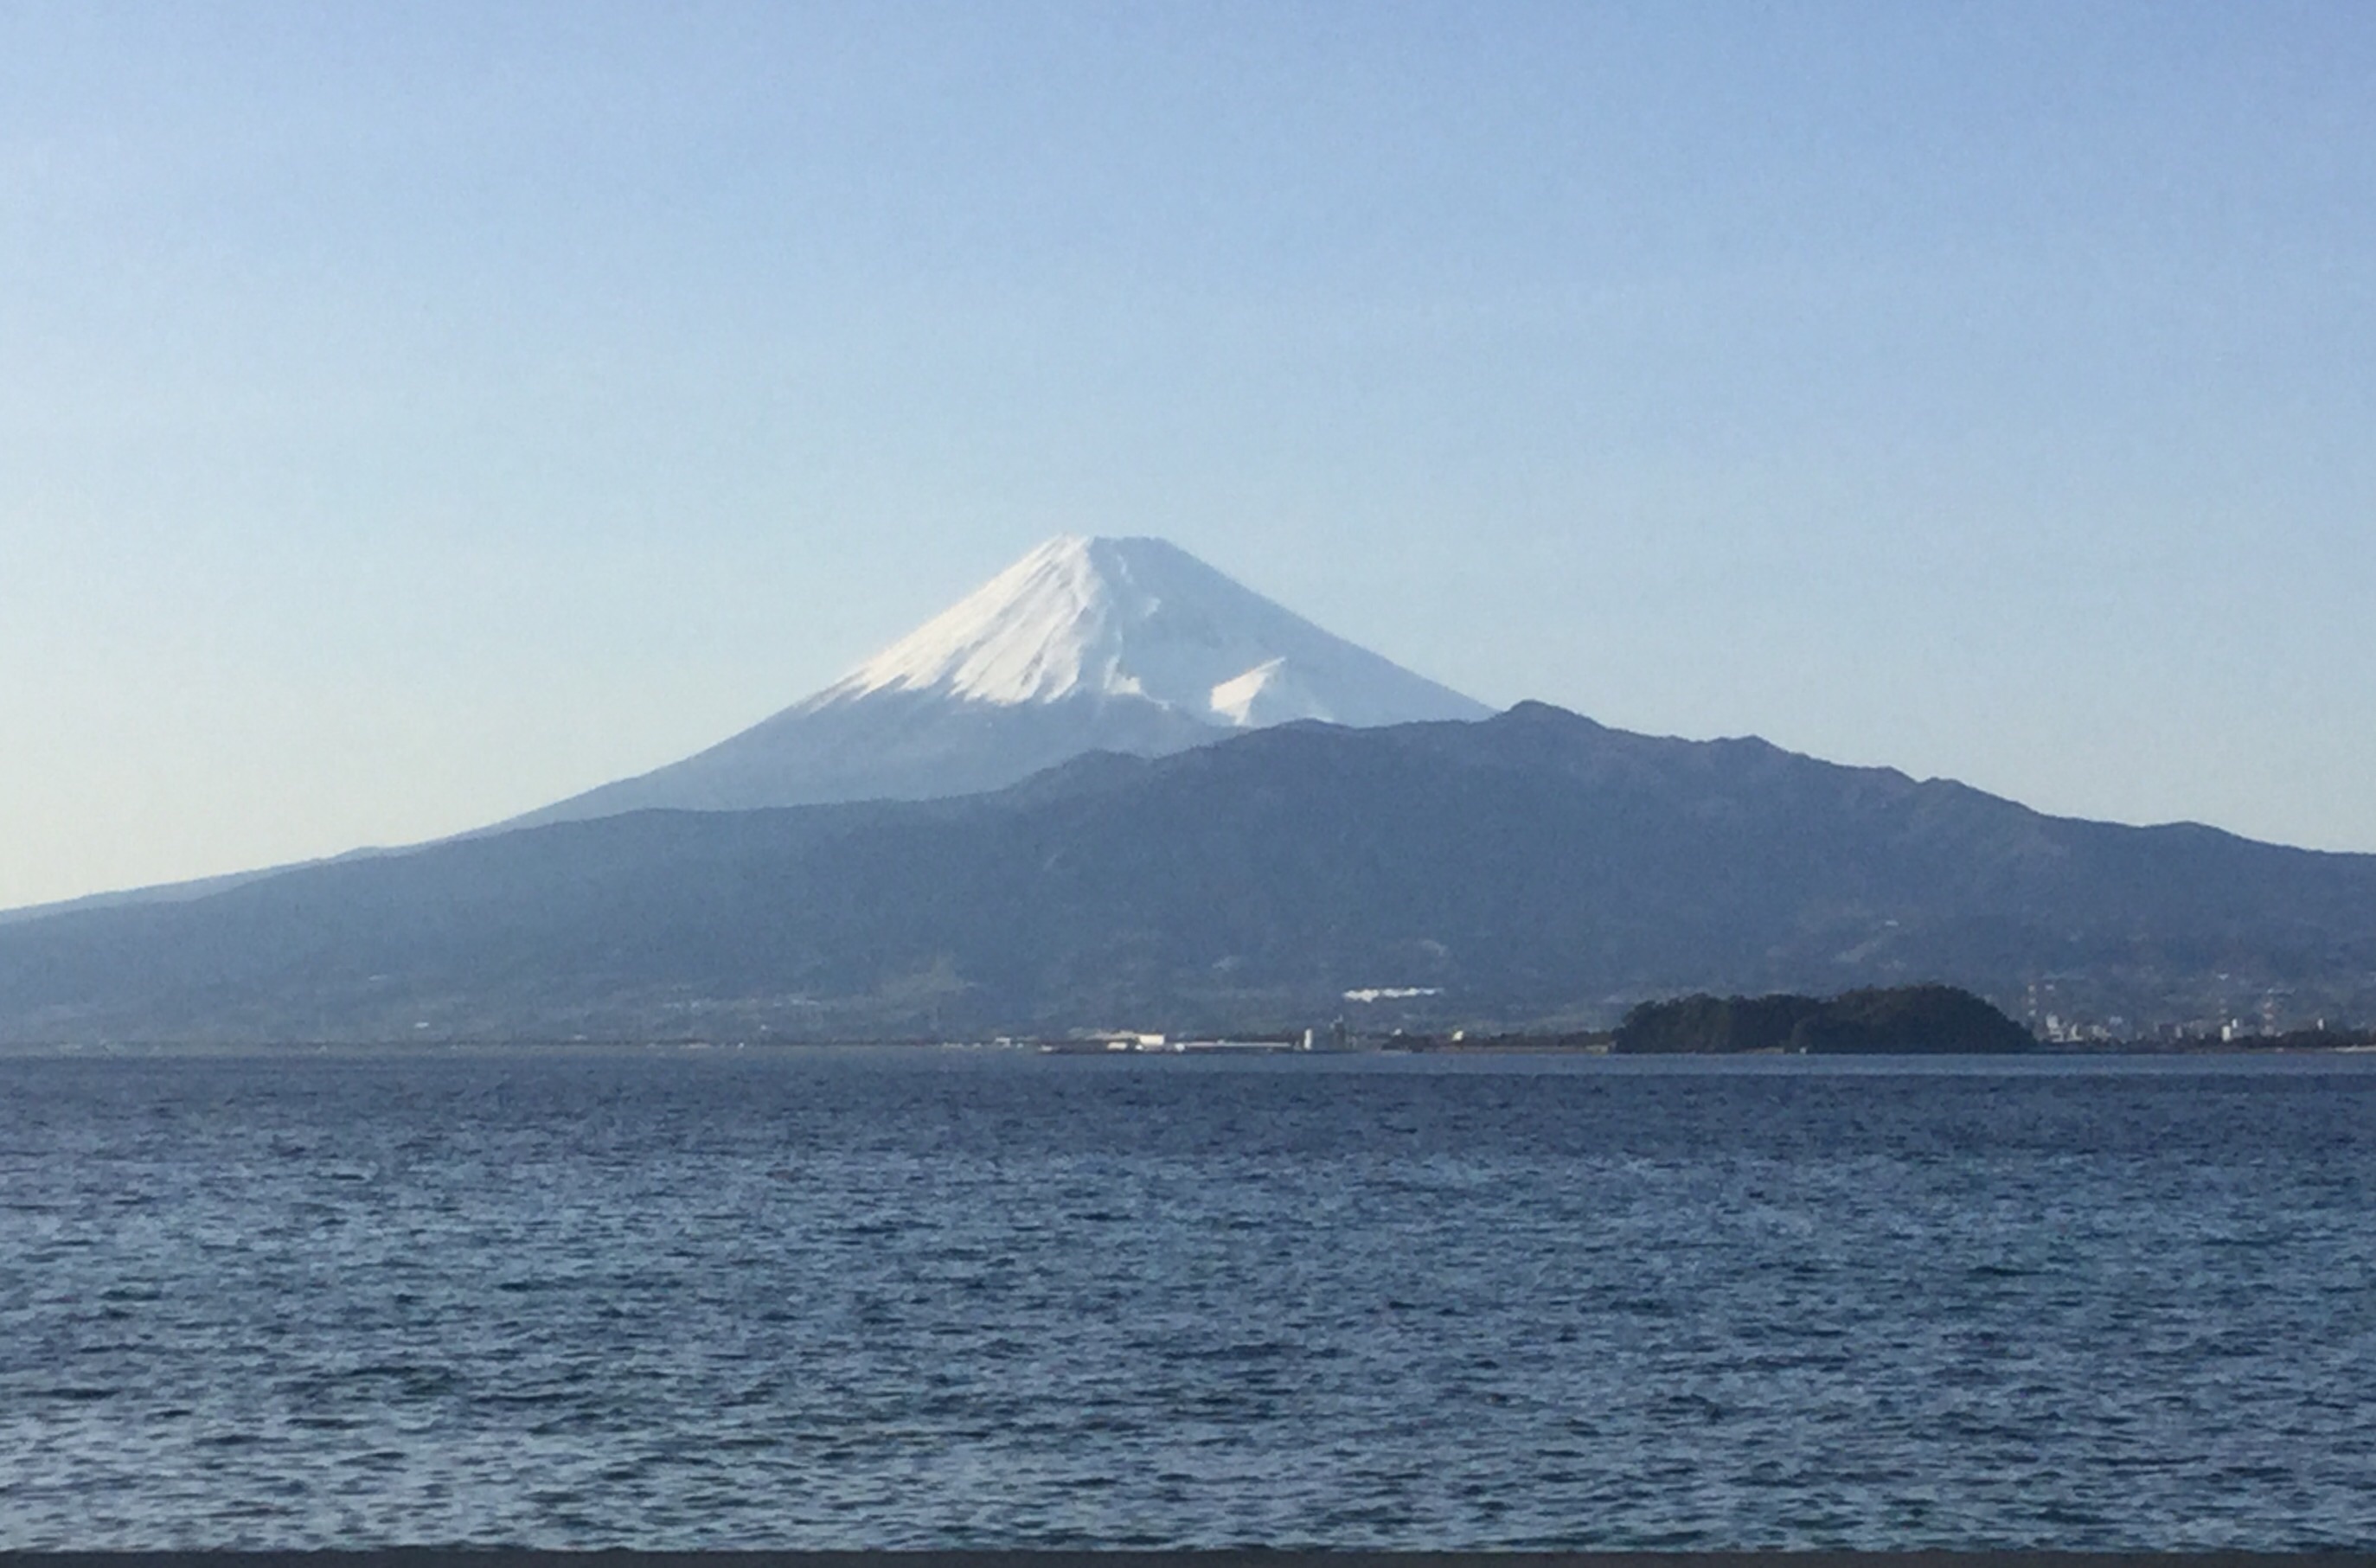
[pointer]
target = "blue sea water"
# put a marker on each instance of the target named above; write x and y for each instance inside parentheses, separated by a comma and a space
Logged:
(879, 1298)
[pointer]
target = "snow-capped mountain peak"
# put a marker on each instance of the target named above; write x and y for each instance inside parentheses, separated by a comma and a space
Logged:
(1124, 645)
(1117, 618)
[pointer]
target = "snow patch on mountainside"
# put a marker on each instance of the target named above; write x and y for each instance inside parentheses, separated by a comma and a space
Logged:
(1267, 693)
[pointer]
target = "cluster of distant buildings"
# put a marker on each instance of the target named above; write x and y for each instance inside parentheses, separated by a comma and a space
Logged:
(2271, 1016)
(1133, 1042)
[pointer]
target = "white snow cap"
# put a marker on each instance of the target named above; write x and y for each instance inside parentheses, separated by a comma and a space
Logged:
(1112, 645)
(1143, 618)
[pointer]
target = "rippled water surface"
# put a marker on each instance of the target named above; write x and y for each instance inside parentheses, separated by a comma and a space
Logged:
(879, 1298)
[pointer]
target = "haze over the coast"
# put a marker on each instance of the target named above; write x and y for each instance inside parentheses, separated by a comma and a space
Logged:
(417, 415)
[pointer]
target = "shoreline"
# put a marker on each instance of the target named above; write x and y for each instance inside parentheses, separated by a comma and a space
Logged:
(1230, 1557)
(2096, 1051)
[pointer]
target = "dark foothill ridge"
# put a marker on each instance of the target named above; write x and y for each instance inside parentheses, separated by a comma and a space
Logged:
(1532, 870)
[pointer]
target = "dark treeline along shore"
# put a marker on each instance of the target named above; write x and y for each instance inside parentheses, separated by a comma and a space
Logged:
(1908, 1020)
(1901, 1020)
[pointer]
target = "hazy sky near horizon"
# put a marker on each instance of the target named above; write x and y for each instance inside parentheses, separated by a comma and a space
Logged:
(410, 414)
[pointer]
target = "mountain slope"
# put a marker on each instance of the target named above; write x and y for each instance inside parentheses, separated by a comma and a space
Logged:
(1531, 865)
(1121, 644)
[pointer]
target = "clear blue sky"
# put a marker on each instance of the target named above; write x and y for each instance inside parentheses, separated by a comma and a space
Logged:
(413, 413)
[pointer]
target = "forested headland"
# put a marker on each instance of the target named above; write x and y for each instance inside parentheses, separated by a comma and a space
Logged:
(1897, 1019)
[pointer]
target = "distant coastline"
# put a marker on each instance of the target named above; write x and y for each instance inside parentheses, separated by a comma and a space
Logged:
(1927, 1019)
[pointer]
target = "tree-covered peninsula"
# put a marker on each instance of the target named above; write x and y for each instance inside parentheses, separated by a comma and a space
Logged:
(1909, 1019)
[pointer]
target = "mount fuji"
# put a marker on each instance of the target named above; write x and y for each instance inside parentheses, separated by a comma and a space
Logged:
(1113, 645)
(1241, 872)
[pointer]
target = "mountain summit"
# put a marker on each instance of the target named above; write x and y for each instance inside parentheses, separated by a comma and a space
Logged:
(1121, 645)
